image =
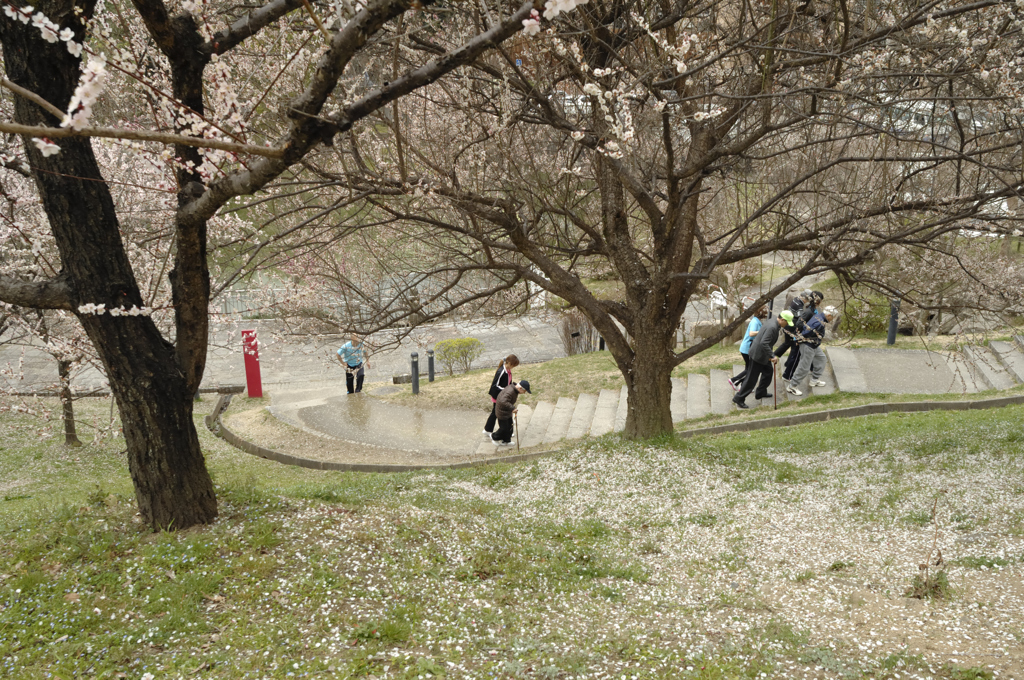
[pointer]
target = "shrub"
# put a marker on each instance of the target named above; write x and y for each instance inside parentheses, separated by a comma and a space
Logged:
(458, 354)
(866, 316)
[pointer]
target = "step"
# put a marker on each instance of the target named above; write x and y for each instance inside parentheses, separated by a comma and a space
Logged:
(1011, 356)
(678, 399)
(534, 436)
(560, 419)
(582, 416)
(622, 410)
(827, 377)
(698, 396)
(721, 393)
(604, 413)
(966, 378)
(989, 365)
(524, 417)
(751, 402)
(849, 377)
(1019, 339)
(804, 386)
(770, 400)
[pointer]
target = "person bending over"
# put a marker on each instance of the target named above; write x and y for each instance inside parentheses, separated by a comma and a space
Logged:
(504, 408)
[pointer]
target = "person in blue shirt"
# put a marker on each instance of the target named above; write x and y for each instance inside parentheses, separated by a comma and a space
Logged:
(352, 356)
(752, 330)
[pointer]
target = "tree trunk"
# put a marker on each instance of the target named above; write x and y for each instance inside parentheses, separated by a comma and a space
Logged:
(70, 433)
(172, 485)
(649, 384)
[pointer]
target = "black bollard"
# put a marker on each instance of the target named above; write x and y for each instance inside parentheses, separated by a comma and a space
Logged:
(430, 365)
(415, 372)
(894, 315)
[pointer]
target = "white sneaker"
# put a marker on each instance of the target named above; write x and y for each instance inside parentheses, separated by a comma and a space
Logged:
(817, 383)
(488, 434)
(503, 445)
(793, 390)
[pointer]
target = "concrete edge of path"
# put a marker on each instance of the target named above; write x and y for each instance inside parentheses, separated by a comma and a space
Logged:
(214, 424)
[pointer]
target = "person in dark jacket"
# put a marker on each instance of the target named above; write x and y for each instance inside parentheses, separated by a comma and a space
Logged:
(504, 407)
(794, 336)
(502, 379)
(812, 357)
(762, 359)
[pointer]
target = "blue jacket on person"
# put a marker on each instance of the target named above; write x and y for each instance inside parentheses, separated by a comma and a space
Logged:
(814, 329)
(753, 327)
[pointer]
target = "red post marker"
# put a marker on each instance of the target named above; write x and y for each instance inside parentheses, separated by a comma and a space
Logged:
(250, 350)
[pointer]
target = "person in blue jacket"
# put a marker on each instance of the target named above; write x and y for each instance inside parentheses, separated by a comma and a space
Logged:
(352, 356)
(812, 357)
(753, 328)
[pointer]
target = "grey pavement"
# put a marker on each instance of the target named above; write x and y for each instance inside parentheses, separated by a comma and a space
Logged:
(325, 408)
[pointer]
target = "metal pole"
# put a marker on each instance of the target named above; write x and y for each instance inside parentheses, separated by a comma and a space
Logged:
(894, 315)
(415, 372)
(430, 365)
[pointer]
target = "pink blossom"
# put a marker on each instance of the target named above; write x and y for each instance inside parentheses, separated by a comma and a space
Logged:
(46, 146)
(531, 26)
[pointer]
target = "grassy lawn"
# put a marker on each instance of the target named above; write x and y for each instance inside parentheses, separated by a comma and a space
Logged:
(783, 554)
(549, 380)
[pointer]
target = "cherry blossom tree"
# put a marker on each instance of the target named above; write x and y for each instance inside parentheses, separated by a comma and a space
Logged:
(669, 140)
(224, 99)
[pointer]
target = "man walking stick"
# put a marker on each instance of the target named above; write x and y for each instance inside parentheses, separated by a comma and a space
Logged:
(775, 382)
(515, 417)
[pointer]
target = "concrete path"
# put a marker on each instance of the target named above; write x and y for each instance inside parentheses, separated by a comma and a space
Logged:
(307, 387)
(323, 408)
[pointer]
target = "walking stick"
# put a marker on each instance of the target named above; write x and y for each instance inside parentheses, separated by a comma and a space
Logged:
(515, 417)
(775, 383)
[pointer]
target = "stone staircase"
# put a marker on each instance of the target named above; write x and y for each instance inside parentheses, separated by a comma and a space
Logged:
(693, 396)
(998, 366)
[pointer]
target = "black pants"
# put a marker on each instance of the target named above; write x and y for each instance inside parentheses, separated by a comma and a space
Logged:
(354, 374)
(491, 420)
(504, 433)
(792, 362)
(759, 374)
(738, 378)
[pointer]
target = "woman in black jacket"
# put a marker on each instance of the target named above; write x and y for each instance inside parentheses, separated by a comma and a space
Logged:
(502, 379)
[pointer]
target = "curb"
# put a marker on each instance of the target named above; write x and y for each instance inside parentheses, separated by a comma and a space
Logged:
(855, 412)
(214, 424)
(103, 392)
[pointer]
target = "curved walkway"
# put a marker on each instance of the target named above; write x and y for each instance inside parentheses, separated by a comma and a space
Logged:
(213, 421)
